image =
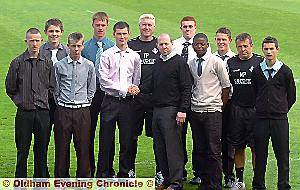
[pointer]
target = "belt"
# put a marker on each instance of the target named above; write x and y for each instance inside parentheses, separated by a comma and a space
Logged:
(75, 106)
(120, 98)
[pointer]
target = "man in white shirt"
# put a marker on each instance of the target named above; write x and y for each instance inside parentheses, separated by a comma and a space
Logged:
(223, 40)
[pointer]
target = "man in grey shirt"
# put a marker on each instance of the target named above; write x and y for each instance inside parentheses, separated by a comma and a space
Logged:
(75, 88)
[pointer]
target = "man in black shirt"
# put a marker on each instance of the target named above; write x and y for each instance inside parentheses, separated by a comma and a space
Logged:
(29, 80)
(145, 46)
(171, 88)
(275, 92)
(242, 103)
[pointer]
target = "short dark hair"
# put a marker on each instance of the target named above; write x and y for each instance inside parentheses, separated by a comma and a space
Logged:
(200, 35)
(224, 30)
(32, 31)
(101, 16)
(121, 25)
(243, 36)
(188, 18)
(76, 36)
(270, 39)
(54, 22)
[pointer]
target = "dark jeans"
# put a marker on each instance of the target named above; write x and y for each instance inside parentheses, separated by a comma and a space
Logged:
(26, 123)
(167, 139)
(115, 111)
(206, 132)
(278, 130)
(227, 148)
(70, 122)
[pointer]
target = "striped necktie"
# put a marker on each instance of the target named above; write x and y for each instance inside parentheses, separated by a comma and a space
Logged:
(270, 71)
(98, 54)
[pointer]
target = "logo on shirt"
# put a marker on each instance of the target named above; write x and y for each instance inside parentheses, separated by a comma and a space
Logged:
(154, 50)
(251, 68)
(243, 74)
(138, 51)
(236, 70)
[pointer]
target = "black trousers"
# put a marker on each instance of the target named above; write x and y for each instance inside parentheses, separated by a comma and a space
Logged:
(26, 123)
(70, 122)
(278, 130)
(115, 111)
(95, 110)
(168, 143)
(143, 114)
(227, 148)
(206, 132)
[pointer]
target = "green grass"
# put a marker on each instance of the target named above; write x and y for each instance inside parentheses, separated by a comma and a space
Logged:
(279, 18)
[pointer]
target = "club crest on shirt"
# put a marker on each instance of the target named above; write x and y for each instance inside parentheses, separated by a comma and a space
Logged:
(154, 50)
(251, 68)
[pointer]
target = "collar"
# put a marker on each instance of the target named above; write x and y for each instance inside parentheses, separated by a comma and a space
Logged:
(167, 57)
(26, 56)
(94, 40)
(229, 53)
(49, 47)
(184, 40)
(116, 49)
(70, 60)
(277, 65)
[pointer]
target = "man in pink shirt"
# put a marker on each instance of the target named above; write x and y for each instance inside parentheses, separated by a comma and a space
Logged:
(119, 79)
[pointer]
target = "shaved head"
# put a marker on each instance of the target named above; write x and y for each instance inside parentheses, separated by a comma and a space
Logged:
(164, 44)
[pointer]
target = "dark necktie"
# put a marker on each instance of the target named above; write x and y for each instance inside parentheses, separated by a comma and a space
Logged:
(185, 52)
(199, 69)
(270, 71)
(223, 57)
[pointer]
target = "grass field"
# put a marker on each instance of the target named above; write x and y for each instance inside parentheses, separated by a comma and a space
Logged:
(280, 18)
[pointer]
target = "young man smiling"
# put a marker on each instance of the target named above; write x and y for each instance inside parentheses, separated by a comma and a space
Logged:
(223, 40)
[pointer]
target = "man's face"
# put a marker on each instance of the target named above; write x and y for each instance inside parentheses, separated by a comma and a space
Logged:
(270, 51)
(99, 27)
(222, 40)
(244, 49)
(54, 34)
(200, 46)
(147, 27)
(75, 48)
(188, 29)
(164, 45)
(121, 36)
(34, 42)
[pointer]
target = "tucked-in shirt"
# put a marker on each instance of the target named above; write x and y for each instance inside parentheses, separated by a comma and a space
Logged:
(275, 68)
(29, 80)
(119, 70)
(178, 46)
(60, 53)
(207, 88)
(75, 81)
(90, 50)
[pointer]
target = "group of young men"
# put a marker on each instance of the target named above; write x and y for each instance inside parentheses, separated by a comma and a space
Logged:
(231, 101)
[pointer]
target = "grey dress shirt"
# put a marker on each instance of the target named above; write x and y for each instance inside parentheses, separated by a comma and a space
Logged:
(75, 81)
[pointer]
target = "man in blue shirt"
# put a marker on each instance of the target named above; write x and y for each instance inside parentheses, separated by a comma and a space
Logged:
(92, 51)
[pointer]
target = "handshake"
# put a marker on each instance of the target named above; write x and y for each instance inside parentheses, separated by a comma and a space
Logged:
(133, 90)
